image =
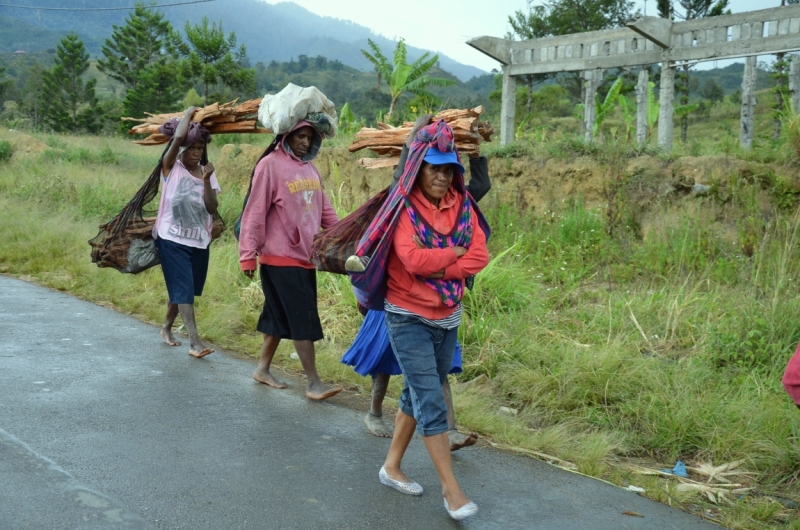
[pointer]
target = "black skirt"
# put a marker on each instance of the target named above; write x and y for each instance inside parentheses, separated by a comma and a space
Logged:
(290, 303)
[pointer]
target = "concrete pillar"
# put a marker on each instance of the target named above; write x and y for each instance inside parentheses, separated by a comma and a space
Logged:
(666, 110)
(748, 103)
(794, 81)
(641, 107)
(508, 107)
(591, 80)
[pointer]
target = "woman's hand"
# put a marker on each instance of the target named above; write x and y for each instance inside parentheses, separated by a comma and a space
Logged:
(460, 251)
(189, 113)
(417, 241)
(249, 274)
(208, 170)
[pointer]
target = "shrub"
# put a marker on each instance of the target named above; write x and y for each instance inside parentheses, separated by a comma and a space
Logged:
(5, 151)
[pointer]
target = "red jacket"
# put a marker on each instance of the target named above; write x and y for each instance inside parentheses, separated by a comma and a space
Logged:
(406, 261)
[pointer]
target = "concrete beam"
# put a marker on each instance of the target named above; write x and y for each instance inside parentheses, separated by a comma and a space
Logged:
(642, 87)
(656, 29)
(748, 103)
(495, 48)
(666, 110)
(592, 80)
(748, 17)
(738, 48)
(794, 82)
(508, 107)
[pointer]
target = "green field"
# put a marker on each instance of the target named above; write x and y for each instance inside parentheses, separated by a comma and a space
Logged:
(611, 352)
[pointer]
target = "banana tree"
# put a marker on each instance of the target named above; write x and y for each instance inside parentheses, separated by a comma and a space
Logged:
(603, 109)
(403, 77)
(378, 60)
(628, 116)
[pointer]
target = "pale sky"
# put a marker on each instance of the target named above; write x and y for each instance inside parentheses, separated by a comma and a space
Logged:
(446, 25)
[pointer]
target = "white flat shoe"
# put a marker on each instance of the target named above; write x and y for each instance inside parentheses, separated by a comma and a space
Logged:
(409, 488)
(468, 510)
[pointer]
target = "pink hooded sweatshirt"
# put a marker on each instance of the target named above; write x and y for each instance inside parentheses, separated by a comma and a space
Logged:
(286, 209)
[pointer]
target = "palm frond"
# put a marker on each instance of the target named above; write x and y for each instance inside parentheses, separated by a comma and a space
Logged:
(418, 68)
(400, 52)
(376, 51)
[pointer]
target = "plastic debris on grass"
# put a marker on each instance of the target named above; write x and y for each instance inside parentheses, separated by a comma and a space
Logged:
(717, 487)
(679, 470)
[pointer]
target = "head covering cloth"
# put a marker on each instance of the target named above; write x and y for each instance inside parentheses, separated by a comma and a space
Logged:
(196, 133)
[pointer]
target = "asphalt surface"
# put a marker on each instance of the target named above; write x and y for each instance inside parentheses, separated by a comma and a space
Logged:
(104, 426)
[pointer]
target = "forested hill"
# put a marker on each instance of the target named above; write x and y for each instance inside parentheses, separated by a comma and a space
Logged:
(271, 32)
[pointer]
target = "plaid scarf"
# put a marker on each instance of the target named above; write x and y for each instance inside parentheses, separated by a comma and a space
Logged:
(450, 291)
(437, 134)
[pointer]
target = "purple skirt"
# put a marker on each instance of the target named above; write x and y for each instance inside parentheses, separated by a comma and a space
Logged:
(371, 352)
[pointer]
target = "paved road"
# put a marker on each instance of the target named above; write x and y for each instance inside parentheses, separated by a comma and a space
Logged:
(102, 426)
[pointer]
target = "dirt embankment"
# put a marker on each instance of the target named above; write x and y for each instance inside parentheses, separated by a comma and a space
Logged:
(654, 190)
(23, 145)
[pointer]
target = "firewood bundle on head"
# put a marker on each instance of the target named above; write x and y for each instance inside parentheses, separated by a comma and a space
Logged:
(387, 141)
(218, 118)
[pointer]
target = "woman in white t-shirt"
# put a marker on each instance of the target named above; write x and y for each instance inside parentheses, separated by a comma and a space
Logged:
(183, 227)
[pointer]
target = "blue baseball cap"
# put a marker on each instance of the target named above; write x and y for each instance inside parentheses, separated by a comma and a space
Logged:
(440, 158)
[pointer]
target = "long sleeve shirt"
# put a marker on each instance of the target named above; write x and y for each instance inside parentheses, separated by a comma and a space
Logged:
(286, 208)
(407, 261)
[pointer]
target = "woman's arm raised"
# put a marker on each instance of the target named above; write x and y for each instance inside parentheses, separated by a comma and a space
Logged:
(180, 134)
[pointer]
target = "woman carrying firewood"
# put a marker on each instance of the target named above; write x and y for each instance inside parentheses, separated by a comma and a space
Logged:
(183, 227)
(371, 352)
(438, 240)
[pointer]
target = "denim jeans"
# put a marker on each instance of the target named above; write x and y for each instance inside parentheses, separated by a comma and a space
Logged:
(425, 354)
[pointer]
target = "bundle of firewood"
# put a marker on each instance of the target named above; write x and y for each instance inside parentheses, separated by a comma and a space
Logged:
(217, 118)
(387, 141)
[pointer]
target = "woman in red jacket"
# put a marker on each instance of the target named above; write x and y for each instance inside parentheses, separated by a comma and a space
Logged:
(438, 243)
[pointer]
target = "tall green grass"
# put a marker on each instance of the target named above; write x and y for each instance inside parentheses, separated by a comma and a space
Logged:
(611, 348)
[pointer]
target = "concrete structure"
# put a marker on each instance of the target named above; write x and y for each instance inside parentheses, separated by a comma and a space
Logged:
(648, 40)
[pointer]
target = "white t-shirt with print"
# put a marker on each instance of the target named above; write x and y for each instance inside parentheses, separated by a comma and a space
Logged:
(182, 215)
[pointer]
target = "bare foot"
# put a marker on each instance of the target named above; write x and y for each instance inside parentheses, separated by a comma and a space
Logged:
(377, 426)
(267, 378)
(320, 391)
(200, 353)
(458, 440)
(166, 334)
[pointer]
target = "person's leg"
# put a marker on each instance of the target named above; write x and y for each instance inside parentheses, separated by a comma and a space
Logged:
(315, 388)
(198, 349)
(178, 265)
(262, 373)
(456, 439)
(169, 321)
(436, 437)
(404, 426)
(199, 257)
(438, 448)
(374, 419)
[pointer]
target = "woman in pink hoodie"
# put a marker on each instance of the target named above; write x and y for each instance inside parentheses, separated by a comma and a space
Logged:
(286, 208)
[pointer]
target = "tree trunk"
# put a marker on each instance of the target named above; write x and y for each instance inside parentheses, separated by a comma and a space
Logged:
(388, 116)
